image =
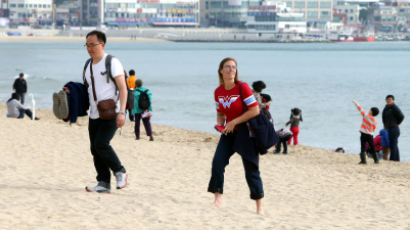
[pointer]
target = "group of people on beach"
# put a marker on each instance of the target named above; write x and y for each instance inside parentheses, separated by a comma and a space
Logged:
(392, 118)
(15, 105)
(236, 103)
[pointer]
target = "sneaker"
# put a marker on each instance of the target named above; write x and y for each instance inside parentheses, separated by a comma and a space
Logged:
(285, 152)
(151, 138)
(122, 178)
(362, 163)
(276, 152)
(101, 187)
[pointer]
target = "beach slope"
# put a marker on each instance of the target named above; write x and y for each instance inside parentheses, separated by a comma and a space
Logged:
(46, 164)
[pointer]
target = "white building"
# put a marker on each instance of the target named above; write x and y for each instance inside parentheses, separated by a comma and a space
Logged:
(275, 18)
(120, 12)
(31, 11)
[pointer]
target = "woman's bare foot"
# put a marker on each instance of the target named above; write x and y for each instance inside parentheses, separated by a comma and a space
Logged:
(218, 200)
(259, 209)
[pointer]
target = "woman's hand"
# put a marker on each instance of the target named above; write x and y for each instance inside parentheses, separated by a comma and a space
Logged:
(230, 126)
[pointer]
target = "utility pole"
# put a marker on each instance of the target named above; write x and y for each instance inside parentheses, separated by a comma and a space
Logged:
(81, 15)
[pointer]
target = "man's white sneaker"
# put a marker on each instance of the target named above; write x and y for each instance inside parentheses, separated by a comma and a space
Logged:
(101, 187)
(122, 178)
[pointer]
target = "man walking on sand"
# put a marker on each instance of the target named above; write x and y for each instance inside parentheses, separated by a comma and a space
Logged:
(102, 131)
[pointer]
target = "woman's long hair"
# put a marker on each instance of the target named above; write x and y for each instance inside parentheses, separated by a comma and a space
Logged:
(14, 96)
(221, 66)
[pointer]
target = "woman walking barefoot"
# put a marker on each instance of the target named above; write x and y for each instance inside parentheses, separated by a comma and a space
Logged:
(232, 115)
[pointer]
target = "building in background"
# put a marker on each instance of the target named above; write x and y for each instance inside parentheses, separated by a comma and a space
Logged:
(275, 17)
(120, 13)
(68, 13)
(228, 13)
(314, 10)
(30, 12)
(178, 13)
(91, 12)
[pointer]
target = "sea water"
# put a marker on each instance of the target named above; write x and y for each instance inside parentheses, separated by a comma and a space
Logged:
(321, 79)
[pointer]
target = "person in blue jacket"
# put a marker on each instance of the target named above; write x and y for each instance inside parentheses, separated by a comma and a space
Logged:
(139, 113)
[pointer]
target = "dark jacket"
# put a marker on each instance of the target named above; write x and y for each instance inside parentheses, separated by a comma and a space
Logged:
(392, 116)
(20, 85)
(78, 102)
(245, 145)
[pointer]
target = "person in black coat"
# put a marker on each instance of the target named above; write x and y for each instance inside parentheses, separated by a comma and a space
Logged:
(392, 118)
(20, 86)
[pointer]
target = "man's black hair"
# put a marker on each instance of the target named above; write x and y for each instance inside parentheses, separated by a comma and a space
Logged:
(375, 111)
(100, 36)
(258, 86)
(21, 75)
(131, 72)
(390, 96)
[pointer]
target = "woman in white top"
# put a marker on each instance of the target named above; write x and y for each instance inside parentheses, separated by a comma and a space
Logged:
(15, 109)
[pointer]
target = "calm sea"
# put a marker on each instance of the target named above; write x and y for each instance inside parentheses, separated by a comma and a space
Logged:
(321, 79)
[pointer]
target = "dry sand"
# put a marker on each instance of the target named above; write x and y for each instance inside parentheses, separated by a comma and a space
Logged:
(46, 164)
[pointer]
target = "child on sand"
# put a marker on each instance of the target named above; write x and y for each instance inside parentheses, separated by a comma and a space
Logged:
(367, 129)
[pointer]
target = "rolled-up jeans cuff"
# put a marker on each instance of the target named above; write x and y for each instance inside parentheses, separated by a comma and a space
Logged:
(214, 190)
(257, 196)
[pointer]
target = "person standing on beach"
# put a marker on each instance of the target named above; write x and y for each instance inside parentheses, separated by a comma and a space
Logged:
(140, 113)
(257, 88)
(366, 133)
(20, 87)
(235, 133)
(102, 131)
(295, 119)
(392, 118)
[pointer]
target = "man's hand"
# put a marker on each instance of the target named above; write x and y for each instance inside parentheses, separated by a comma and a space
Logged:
(120, 120)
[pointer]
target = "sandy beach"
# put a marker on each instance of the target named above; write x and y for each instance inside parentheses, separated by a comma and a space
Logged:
(47, 163)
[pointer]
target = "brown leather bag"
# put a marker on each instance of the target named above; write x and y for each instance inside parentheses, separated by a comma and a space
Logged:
(106, 108)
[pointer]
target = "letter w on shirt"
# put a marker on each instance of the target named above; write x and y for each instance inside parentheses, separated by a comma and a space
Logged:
(227, 101)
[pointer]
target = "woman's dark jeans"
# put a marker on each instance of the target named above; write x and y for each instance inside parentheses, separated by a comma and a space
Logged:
(101, 132)
(25, 111)
(223, 152)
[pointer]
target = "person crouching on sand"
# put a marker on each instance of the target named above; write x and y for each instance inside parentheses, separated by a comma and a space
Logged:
(231, 115)
(366, 132)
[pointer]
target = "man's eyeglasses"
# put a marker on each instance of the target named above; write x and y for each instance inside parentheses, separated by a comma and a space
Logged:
(92, 45)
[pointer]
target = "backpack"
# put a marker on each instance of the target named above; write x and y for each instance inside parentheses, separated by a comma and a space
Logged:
(108, 69)
(143, 100)
(262, 128)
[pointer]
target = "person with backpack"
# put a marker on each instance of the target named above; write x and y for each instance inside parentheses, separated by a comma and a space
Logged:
(103, 76)
(142, 109)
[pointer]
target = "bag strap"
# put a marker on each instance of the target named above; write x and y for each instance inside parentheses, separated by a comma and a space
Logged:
(92, 81)
(240, 95)
(85, 68)
(108, 71)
